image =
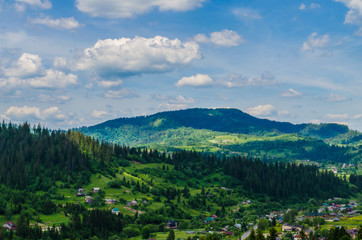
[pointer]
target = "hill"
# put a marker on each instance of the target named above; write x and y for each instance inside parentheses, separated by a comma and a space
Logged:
(68, 185)
(231, 131)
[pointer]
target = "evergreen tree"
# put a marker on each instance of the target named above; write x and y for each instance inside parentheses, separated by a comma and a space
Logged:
(171, 235)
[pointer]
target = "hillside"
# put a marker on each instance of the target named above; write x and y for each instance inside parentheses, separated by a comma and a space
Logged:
(67, 185)
(231, 131)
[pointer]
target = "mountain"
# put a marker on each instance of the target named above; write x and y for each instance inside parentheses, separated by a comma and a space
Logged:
(231, 131)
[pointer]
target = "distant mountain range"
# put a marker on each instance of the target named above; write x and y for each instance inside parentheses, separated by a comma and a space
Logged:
(231, 131)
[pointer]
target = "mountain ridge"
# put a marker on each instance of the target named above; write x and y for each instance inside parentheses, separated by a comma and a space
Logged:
(225, 120)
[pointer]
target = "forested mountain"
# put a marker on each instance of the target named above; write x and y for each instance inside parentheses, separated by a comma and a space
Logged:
(231, 131)
(43, 171)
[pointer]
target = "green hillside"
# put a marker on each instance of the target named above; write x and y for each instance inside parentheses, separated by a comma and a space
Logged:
(52, 173)
(231, 131)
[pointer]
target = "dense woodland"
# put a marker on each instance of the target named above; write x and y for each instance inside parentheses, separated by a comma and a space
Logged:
(198, 129)
(34, 159)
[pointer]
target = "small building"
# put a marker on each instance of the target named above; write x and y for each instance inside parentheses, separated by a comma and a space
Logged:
(88, 199)
(95, 189)
(171, 224)
(209, 220)
(132, 203)
(115, 211)
(80, 194)
(110, 201)
(9, 226)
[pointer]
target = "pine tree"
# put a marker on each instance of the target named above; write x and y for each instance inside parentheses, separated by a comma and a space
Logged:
(171, 235)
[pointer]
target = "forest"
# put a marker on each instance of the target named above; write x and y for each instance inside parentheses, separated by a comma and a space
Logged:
(40, 166)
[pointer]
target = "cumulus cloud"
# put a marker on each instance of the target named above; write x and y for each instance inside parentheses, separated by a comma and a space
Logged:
(118, 94)
(315, 41)
(132, 8)
(110, 84)
(291, 93)
(42, 4)
(61, 23)
(34, 113)
(246, 13)
(53, 79)
(199, 80)
(125, 56)
(28, 65)
(354, 15)
(262, 110)
(99, 114)
(237, 80)
(28, 70)
(225, 38)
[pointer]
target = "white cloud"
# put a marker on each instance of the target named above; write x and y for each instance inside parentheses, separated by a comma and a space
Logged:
(246, 13)
(337, 116)
(357, 116)
(354, 15)
(291, 93)
(110, 84)
(262, 110)
(20, 7)
(131, 8)
(315, 41)
(237, 80)
(28, 65)
(34, 113)
(99, 114)
(336, 98)
(118, 94)
(181, 100)
(311, 6)
(28, 70)
(225, 38)
(125, 56)
(43, 4)
(314, 5)
(61, 23)
(53, 79)
(199, 80)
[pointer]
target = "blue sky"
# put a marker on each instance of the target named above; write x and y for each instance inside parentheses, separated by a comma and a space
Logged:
(74, 63)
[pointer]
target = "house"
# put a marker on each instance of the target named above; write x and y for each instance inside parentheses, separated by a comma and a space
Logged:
(115, 211)
(352, 233)
(9, 226)
(209, 220)
(132, 203)
(238, 226)
(290, 228)
(110, 201)
(171, 224)
(88, 199)
(95, 189)
(80, 194)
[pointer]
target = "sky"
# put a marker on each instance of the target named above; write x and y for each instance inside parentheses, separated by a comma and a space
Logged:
(72, 63)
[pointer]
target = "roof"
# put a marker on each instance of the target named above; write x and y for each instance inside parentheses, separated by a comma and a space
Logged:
(115, 209)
